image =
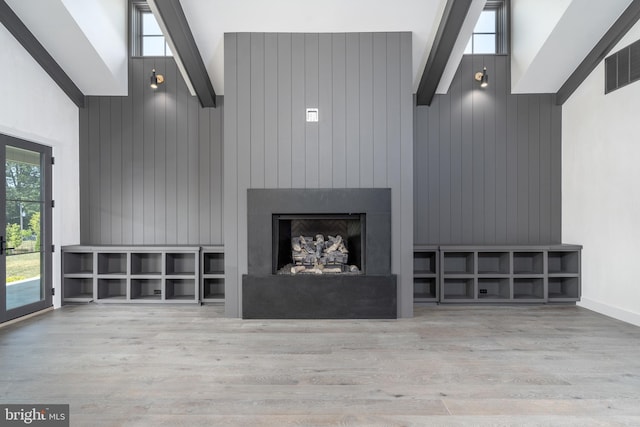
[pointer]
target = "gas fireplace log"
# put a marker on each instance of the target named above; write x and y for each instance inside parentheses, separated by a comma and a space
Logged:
(335, 244)
(314, 252)
(297, 269)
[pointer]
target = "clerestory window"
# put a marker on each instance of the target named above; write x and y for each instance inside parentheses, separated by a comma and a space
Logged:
(146, 36)
(490, 35)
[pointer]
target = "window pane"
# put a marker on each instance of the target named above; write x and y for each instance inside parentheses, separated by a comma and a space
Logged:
(168, 50)
(153, 46)
(486, 23)
(150, 26)
(23, 208)
(22, 174)
(484, 43)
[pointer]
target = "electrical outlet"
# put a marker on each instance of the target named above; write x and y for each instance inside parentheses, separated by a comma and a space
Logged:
(483, 291)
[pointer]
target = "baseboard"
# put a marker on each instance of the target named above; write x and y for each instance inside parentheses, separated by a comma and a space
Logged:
(611, 311)
(25, 317)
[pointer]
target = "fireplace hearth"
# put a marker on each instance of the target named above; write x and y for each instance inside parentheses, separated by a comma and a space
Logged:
(319, 253)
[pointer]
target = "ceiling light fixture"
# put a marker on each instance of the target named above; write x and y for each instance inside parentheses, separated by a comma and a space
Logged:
(156, 79)
(482, 77)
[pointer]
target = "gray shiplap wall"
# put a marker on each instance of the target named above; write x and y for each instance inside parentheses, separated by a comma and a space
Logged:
(487, 163)
(361, 83)
(151, 164)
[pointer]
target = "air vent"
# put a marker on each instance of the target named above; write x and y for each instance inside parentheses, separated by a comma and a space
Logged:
(611, 74)
(622, 68)
(634, 59)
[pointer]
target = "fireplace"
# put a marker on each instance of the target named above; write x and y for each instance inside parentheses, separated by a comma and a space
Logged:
(319, 253)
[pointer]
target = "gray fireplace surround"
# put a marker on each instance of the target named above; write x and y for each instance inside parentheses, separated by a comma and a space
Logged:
(371, 294)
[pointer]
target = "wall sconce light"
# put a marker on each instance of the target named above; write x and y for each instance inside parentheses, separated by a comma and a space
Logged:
(482, 77)
(156, 79)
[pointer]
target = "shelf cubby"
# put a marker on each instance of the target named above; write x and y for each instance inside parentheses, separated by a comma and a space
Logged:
(112, 263)
(458, 289)
(563, 262)
(424, 288)
(78, 263)
(180, 289)
(180, 264)
(146, 289)
(146, 263)
(424, 262)
(458, 263)
(213, 289)
(213, 263)
(112, 289)
(494, 288)
(528, 289)
(493, 262)
(79, 289)
(564, 288)
(528, 262)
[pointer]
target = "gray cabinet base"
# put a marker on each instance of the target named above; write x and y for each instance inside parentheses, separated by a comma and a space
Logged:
(319, 297)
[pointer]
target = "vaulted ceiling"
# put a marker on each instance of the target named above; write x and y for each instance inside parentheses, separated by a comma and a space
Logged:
(550, 38)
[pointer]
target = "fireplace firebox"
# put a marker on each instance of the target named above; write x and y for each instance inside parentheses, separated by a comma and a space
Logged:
(319, 253)
(318, 243)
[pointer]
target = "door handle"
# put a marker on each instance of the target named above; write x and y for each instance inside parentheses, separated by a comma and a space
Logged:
(2, 247)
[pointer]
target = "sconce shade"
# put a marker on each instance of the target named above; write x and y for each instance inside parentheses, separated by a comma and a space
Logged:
(156, 79)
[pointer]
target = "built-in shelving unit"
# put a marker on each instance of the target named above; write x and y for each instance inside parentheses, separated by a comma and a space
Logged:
(137, 274)
(495, 274)
(212, 277)
(425, 274)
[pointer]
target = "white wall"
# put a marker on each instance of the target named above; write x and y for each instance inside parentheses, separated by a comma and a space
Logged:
(34, 108)
(601, 191)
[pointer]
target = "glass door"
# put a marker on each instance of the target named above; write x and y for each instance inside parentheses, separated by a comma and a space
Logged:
(25, 219)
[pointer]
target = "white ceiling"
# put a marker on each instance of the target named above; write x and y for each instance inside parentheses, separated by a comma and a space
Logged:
(88, 37)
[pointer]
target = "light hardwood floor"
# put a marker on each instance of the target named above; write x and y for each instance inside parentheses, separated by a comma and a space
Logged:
(171, 365)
